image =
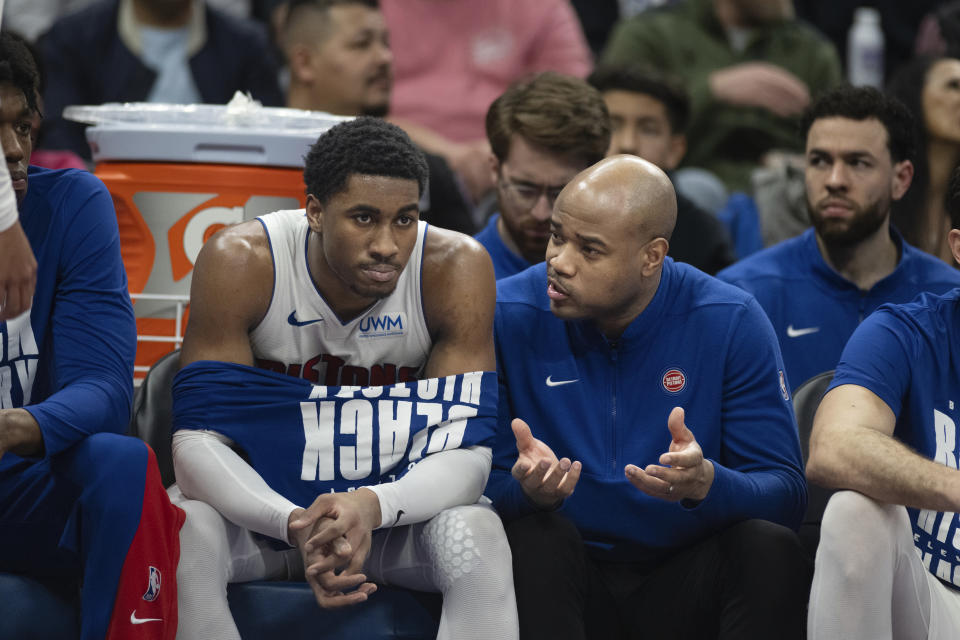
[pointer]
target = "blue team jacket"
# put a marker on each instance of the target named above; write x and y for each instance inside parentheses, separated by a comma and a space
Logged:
(700, 344)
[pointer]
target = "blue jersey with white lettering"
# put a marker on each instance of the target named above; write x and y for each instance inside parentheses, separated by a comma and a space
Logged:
(700, 344)
(505, 261)
(69, 360)
(814, 309)
(305, 439)
(909, 356)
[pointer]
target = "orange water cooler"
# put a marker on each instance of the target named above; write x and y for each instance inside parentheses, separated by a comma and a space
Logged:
(177, 174)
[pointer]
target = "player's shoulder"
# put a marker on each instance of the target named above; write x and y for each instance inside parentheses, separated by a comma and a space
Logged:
(927, 269)
(243, 249)
(452, 256)
(781, 261)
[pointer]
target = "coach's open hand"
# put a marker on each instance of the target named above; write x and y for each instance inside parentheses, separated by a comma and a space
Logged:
(686, 475)
(333, 536)
(545, 480)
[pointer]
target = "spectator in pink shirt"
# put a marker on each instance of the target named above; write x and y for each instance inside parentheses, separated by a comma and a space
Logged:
(452, 58)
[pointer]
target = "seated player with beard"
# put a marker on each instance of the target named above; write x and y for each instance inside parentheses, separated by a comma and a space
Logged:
(818, 287)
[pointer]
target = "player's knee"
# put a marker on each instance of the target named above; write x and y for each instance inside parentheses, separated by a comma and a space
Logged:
(468, 543)
(544, 535)
(854, 529)
(204, 544)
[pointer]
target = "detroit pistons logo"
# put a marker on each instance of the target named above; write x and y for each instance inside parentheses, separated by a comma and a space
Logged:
(153, 585)
(673, 380)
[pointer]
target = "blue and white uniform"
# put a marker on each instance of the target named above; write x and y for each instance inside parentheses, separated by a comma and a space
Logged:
(814, 310)
(505, 262)
(68, 361)
(909, 580)
(700, 344)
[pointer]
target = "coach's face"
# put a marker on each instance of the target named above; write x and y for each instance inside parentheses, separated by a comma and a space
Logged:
(851, 179)
(366, 234)
(15, 126)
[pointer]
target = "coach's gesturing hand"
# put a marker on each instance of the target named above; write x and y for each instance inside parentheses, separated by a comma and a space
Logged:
(333, 536)
(545, 479)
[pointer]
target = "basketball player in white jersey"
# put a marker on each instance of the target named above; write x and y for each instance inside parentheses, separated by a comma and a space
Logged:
(351, 291)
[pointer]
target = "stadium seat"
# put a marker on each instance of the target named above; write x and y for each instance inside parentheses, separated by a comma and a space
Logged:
(286, 610)
(806, 399)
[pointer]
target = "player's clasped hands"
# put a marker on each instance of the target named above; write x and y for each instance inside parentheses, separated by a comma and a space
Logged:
(545, 479)
(333, 536)
(683, 472)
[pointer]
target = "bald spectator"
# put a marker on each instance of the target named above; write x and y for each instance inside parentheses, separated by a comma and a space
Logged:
(749, 67)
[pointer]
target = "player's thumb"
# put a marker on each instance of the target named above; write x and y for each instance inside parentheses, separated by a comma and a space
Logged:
(522, 433)
(677, 425)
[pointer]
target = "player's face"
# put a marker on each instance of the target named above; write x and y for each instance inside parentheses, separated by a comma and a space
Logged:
(366, 235)
(851, 179)
(528, 182)
(596, 264)
(941, 101)
(353, 68)
(15, 127)
(641, 127)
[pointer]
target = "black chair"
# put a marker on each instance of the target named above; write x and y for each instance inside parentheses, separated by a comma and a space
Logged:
(806, 399)
(283, 609)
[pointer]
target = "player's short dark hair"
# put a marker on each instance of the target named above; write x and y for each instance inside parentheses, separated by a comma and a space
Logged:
(362, 146)
(952, 202)
(554, 112)
(18, 68)
(636, 79)
(865, 103)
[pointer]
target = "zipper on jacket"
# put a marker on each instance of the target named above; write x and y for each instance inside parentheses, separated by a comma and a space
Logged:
(613, 406)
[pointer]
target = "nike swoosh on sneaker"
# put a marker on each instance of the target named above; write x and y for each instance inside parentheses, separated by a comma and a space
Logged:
(135, 620)
(796, 333)
(557, 383)
(292, 319)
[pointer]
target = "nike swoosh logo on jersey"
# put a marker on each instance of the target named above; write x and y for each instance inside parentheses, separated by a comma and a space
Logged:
(135, 620)
(796, 333)
(557, 383)
(292, 319)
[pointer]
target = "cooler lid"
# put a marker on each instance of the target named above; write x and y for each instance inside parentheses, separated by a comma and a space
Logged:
(242, 132)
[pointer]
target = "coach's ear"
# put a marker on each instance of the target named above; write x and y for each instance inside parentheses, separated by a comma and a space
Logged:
(314, 213)
(954, 239)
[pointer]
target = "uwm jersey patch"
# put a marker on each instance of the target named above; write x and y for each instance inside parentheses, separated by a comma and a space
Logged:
(306, 439)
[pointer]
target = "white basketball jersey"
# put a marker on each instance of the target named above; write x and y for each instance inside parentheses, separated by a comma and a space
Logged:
(301, 335)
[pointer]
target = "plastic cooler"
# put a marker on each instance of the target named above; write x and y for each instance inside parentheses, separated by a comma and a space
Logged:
(177, 174)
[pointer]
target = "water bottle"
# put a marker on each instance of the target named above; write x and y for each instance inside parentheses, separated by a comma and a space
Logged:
(865, 49)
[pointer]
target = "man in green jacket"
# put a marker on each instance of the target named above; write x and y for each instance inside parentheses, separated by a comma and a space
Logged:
(750, 69)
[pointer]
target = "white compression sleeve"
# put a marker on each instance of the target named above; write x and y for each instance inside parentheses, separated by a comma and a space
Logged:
(439, 481)
(8, 200)
(207, 469)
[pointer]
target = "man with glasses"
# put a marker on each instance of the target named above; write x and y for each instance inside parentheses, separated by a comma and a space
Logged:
(542, 131)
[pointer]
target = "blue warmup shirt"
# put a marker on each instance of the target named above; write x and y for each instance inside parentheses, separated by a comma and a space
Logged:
(71, 364)
(700, 344)
(909, 356)
(505, 262)
(814, 309)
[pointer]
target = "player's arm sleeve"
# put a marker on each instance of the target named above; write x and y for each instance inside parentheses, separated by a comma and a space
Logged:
(440, 481)
(761, 472)
(94, 333)
(208, 470)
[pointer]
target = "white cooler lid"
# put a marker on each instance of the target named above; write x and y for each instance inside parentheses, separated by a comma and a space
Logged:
(242, 132)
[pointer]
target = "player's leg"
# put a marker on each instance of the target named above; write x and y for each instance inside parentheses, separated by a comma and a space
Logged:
(463, 554)
(213, 553)
(869, 581)
(126, 531)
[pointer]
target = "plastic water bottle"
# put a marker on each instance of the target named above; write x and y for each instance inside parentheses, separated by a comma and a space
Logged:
(865, 49)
